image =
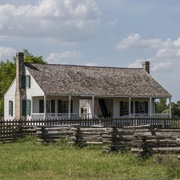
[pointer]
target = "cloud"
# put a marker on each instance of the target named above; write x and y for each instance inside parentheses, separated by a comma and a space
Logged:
(91, 64)
(6, 53)
(171, 53)
(135, 40)
(167, 52)
(64, 21)
(112, 22)
(137, 63)
(163, 66)
(155, 65)
(56, 58)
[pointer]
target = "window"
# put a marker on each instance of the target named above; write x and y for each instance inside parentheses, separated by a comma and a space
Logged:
(64, 107)
(141, 107)
(10, 108)
(50, 106)
(124, 108)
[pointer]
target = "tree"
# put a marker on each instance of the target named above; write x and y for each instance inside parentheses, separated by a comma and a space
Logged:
(161, 106)
(29, 57)
(175, 110)
(8, 73)
(178, 103)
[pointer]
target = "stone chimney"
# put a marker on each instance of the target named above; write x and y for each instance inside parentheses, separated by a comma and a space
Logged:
(20, 93)
(146, 66)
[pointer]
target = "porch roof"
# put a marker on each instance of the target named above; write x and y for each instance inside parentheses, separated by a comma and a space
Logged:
(92, 80)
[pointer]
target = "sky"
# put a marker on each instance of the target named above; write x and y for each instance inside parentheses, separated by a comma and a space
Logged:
(115, 33)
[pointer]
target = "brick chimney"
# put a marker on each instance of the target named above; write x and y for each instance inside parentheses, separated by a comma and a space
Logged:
(20, 93)
(146, 66)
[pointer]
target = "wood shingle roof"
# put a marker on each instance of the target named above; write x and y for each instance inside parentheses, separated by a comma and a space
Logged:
(99, 81)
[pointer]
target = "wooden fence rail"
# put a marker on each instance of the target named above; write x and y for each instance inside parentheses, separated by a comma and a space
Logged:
(141, 140)
(143, 136)
(9, 129)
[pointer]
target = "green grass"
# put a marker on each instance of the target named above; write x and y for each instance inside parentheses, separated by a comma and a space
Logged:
(32, 160)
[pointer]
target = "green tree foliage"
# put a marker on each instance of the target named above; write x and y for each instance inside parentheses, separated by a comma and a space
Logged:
(8, 72)
(178, 103)
(175, 109)
(161, 106)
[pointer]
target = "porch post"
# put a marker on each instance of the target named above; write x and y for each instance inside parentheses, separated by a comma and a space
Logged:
(154, 107)
(170, 112)
(150, 107)
(129, 106)
(31, 107)
(92, 107)
(69, 108)
(44, 106)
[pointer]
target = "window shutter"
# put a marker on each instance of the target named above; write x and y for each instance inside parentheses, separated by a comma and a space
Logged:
(59, 106)
(121, 108)
(23, 81)
(23, 107)
(29, 107)
(131, 106)
(11, 108)
(146, 106)
(28, 81)
(136, 107)
(71, 106)
(52, 106)
(41, 106)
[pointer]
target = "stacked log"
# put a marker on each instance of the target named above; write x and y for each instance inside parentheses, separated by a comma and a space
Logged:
(112, 140)
(53, 133)
(166, 140)
(139, 143)
(24, 131)
(151, 141)
(77, 137)
(93, 135)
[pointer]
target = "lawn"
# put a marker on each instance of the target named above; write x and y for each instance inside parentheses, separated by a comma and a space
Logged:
(28, 159)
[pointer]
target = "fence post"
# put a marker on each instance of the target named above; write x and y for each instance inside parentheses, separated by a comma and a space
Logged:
(112, 140)
(43, 136)
(139, 144)
(77, 136)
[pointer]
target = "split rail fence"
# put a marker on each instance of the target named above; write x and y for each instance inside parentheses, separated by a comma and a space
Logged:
(140, 138)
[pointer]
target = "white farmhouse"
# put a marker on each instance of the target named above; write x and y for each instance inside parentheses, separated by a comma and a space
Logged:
(55, 91)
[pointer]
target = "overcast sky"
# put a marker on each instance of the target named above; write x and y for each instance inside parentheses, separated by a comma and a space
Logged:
(120, 33)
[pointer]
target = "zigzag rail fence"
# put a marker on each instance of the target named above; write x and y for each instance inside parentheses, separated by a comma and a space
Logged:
(13, 129)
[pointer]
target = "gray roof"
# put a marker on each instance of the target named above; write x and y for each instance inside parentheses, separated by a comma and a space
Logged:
(91, 80)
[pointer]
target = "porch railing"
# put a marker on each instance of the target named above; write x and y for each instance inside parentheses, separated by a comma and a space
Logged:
(61, 115)
(148, 115)
(87, 115)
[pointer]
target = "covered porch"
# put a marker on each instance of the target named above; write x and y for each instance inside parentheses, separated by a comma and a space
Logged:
(93, 107)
